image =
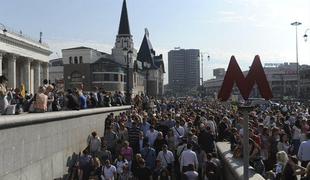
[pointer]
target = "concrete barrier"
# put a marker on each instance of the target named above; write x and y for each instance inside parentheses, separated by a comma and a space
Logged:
(232, 167)
(37, 146)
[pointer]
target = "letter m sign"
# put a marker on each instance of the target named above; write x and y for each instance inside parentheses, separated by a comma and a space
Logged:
(234, 74)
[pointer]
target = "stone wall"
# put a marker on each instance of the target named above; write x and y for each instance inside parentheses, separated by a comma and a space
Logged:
(37, 146)
(232, 167)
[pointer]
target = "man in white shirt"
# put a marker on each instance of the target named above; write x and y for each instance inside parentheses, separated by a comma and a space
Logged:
(188, 157)
(178, 132)
(151, 135)
(166, 158)
(304, 151)
(108, 171)
(191, 174)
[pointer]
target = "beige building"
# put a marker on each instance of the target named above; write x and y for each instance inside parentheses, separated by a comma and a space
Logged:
(23, 60)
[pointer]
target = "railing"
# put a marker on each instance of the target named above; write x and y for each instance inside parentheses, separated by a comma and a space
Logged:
(24, 36)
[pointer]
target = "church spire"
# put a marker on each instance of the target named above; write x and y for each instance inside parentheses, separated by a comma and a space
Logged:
(124, 23)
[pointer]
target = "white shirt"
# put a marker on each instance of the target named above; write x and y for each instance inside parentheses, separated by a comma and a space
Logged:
(191, 175)
(178, 133)
(94, 143)
(165, 158)
(212, 126)
(304, 151)
(151, 136)
(188, 157)
(109, 172)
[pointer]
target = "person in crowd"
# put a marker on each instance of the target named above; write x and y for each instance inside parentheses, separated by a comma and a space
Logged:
(159, 142)
(191, 174)
(40, 103)
(104, 154)
(3, 94)
(110, 137)
(120, 162)
(255, 157)
(166, 158)
(85, 165)
(151, 135)
(283, 144)
(149, 155)
(133, 137)
(143, 172)
(304, 151)
(188, 157)
(108, 171)
(73, 102)
(127, 152)
(94, 142)
(178, 132)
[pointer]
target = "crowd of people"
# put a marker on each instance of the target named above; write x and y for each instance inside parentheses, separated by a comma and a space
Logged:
(166, 140)
(48, 98)
(176, 138)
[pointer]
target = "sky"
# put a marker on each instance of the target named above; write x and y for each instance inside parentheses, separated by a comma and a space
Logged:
(220, 28)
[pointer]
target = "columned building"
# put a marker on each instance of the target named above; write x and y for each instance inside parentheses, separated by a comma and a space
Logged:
(23, 61)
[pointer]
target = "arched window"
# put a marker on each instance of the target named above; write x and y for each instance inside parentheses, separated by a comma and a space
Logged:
(70, 60)
(81, 59)
(76, 60)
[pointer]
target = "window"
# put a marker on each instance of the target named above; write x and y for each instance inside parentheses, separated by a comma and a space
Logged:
(81, 59)
(121, 78)
(76, 77)
(115, 77)
(70, 60)
(106, 77)
(75, 60)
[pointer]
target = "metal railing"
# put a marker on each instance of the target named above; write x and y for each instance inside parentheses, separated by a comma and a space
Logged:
(22, 35)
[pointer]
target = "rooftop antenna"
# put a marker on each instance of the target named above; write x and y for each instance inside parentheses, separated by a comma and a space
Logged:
(40, 41)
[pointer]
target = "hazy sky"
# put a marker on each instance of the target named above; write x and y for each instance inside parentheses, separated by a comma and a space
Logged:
(221, 28)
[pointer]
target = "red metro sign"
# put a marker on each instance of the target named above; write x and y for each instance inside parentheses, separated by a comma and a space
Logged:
(256, 75)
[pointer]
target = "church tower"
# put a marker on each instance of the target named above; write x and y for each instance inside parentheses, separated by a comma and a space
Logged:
(124, 41)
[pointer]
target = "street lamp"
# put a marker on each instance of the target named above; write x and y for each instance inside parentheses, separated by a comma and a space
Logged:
(306, 36)
(297, 70)
(127, 57)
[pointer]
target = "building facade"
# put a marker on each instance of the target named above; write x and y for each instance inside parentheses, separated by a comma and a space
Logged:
(184, 69)
(24, 61)
(153, 66)
(89, 68)
(282, 78)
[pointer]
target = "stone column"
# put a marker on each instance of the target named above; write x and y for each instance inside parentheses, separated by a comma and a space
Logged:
(12, 72)
(37, 75)
(27, 77)
(45, 71)
(1, 56)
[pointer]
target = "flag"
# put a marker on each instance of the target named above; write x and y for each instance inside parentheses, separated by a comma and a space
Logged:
(23, 90)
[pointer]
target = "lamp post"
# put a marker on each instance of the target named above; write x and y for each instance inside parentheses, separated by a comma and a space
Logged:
(297, 70)
(127, 57)
(306, 36)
